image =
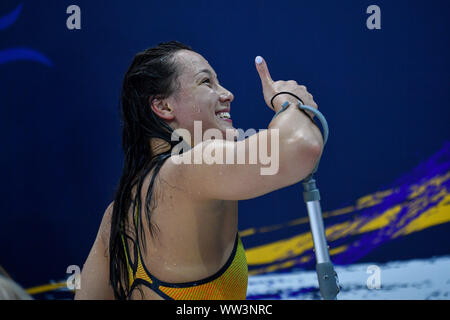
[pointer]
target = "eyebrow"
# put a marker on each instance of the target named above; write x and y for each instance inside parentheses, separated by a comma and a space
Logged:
(206, 71)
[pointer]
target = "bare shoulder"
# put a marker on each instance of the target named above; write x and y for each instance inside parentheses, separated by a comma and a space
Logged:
(176, 178)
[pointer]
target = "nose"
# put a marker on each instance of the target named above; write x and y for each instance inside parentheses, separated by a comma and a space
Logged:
(226, 96)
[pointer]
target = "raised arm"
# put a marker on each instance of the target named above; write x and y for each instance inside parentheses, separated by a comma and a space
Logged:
(291, 135)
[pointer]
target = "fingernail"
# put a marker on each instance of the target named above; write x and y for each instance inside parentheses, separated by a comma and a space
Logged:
(258, 60)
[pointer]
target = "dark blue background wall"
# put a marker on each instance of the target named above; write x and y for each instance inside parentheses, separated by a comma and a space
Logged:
(384, 93)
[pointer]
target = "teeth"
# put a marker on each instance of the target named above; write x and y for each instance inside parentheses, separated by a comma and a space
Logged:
(225, 115)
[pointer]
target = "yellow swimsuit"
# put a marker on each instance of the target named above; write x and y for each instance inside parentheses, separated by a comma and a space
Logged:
(229, 283)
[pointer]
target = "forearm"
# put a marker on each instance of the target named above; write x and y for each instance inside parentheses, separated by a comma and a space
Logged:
(300, 144)
(295, 127)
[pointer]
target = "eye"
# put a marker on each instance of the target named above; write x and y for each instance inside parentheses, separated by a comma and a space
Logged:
(206, 80)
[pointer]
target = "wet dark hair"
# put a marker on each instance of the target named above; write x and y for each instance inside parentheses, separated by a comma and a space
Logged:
(152, 74)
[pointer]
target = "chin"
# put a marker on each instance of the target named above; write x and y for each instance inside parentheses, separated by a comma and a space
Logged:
(233, 134)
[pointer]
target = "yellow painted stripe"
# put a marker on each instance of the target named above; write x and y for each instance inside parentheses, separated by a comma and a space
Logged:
(434, 216)
(361, 203)
(292, 262)
(46, 287)
(338, 250)
(279, 250)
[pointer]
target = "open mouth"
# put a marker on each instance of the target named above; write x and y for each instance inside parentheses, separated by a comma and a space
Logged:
(224, 116)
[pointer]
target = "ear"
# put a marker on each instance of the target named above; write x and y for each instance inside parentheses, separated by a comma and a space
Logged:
(162, 109)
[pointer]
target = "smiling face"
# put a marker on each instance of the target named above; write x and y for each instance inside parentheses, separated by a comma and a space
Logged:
(199, 96)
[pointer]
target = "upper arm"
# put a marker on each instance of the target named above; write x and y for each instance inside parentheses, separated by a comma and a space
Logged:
(286, 164)
(95, 274)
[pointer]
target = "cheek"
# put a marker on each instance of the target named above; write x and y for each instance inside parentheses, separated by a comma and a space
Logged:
(191, 111)
(186, 106)
(201, 104)
(196, 106)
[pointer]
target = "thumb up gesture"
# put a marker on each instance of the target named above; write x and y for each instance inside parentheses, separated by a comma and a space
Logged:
(271, 88)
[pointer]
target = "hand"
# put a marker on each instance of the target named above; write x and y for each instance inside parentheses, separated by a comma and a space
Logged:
(271, 88)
